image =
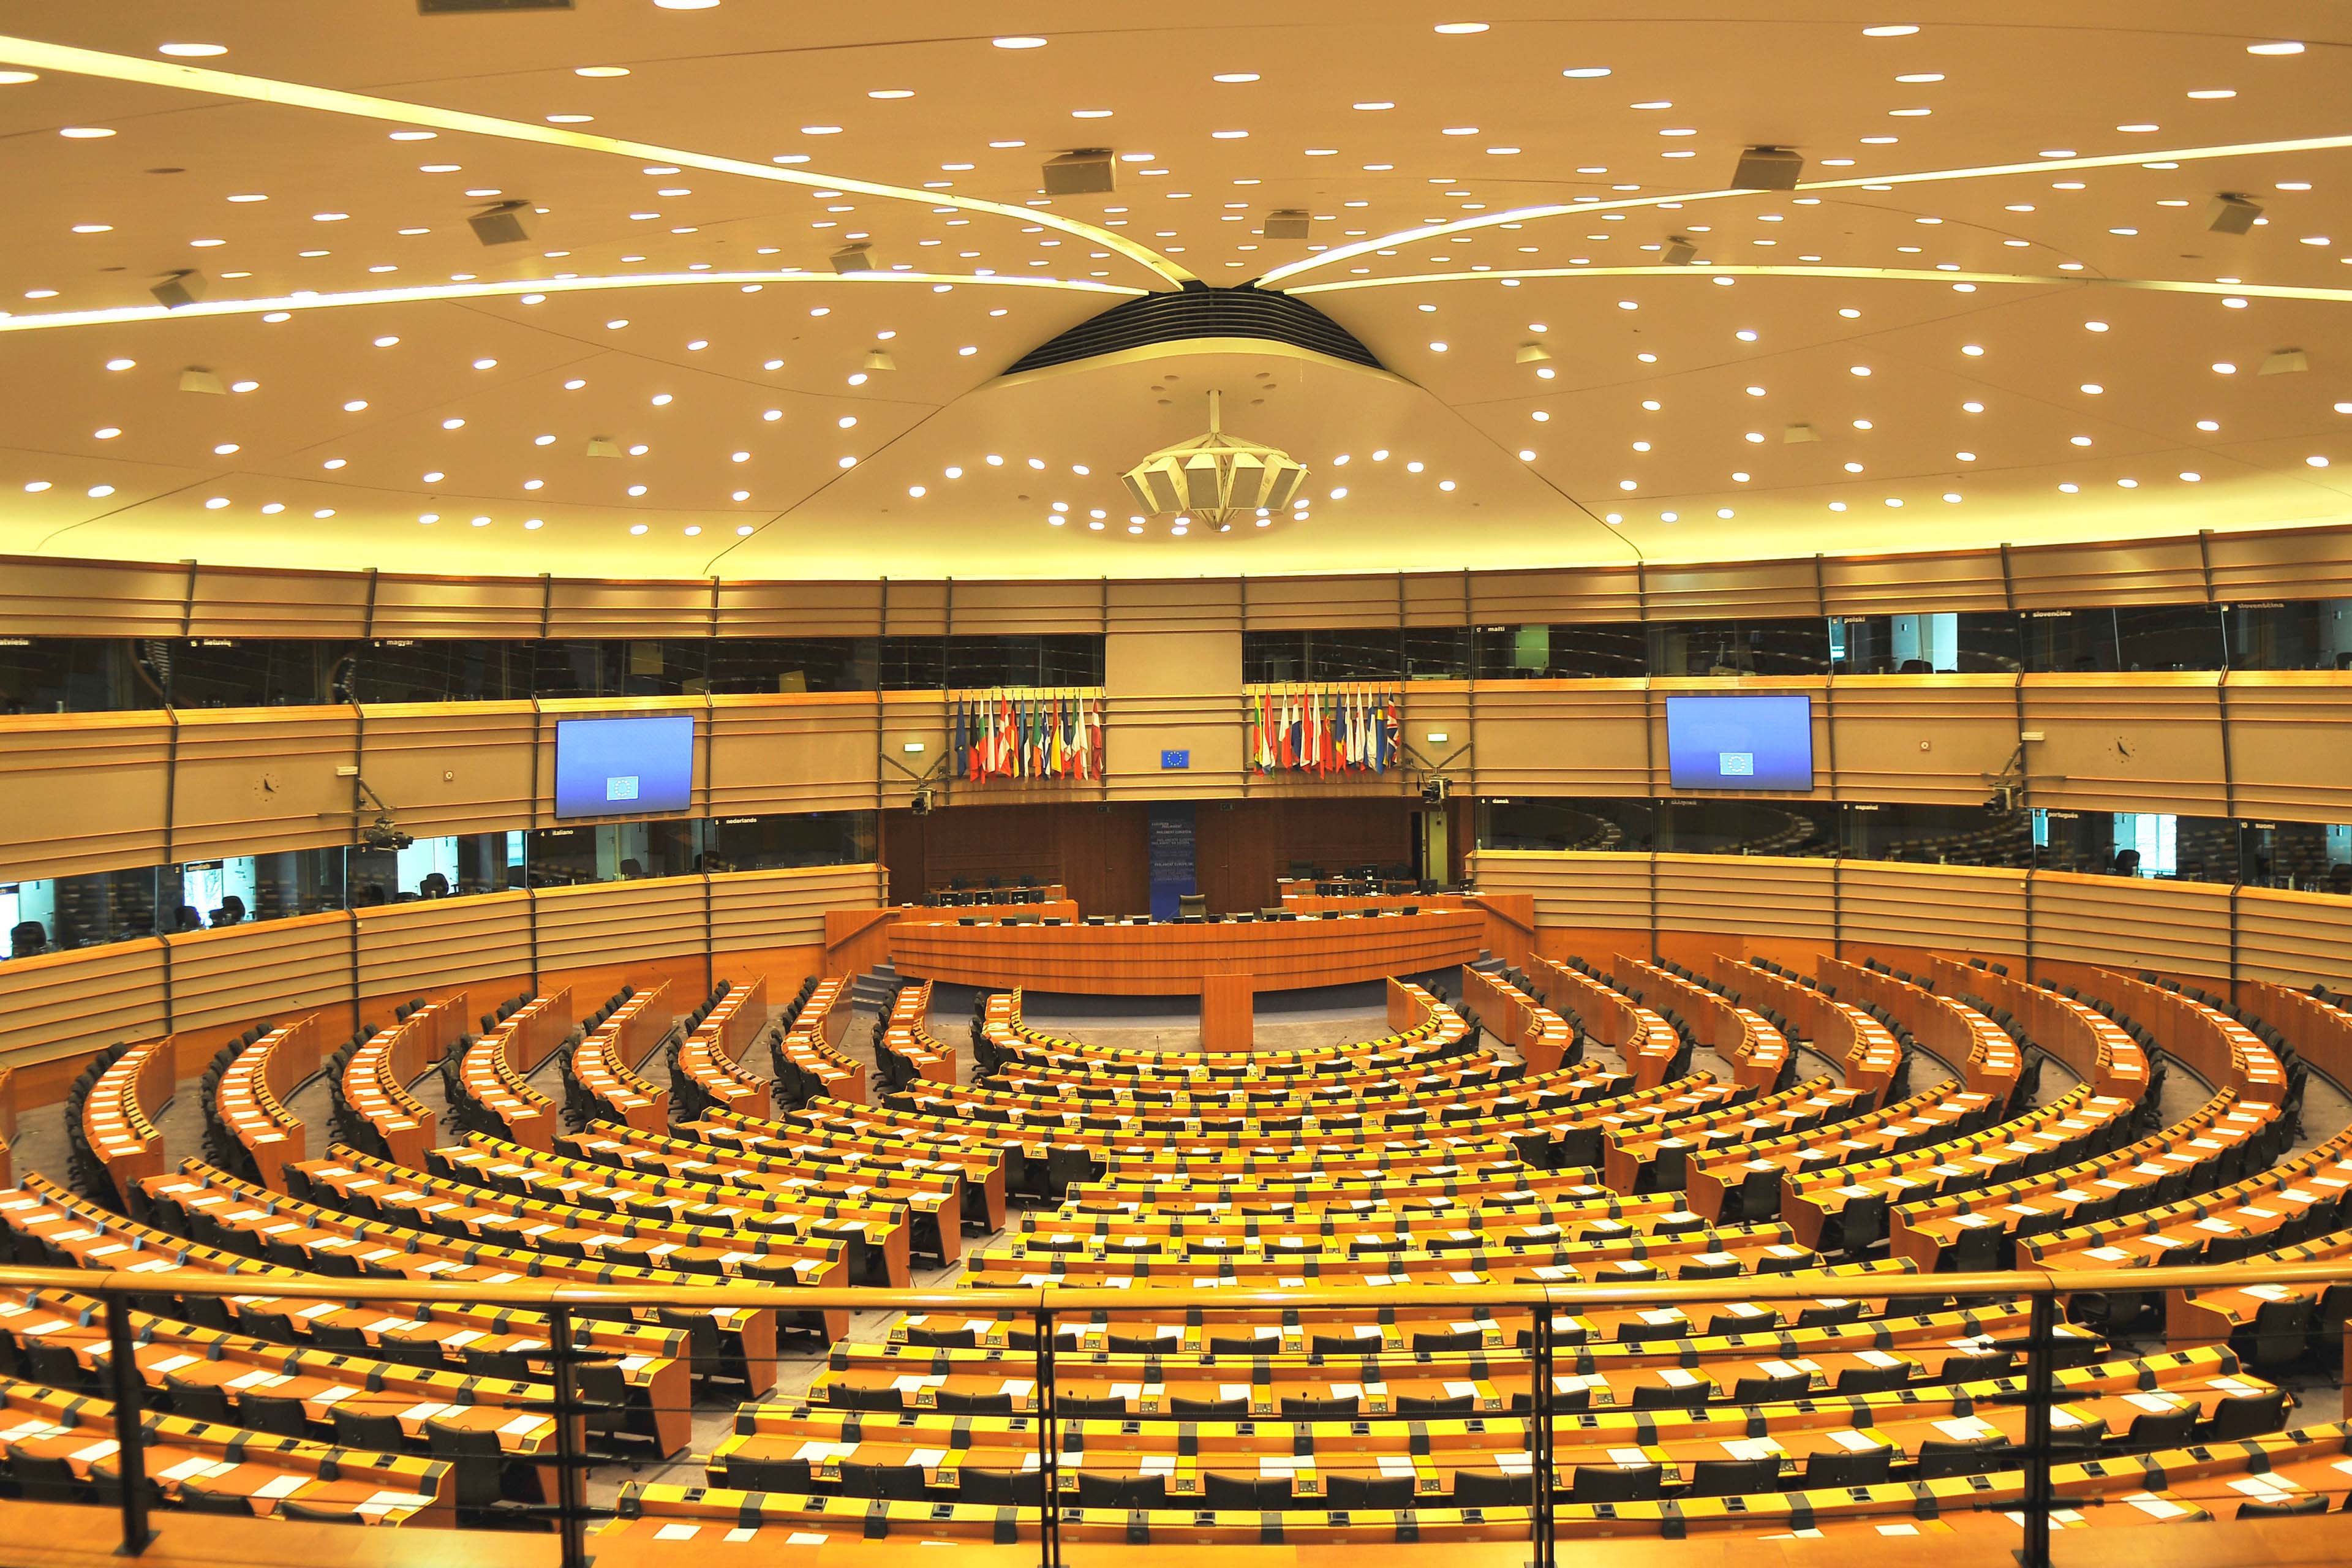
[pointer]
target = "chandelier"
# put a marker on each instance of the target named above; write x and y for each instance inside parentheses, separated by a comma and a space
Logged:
(1215, 478)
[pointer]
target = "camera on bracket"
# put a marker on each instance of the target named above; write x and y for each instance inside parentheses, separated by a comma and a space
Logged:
(1434, 791)
(384, 834)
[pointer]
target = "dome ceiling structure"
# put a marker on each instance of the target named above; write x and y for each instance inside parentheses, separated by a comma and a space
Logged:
(1994, 310)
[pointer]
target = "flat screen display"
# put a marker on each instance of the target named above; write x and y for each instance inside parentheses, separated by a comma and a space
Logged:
(1751, 742)
(624, 767)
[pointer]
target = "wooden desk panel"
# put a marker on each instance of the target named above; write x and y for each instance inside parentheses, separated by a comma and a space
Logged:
(1171, 960)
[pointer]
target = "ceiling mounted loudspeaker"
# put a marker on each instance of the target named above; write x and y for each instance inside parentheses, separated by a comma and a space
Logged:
(1216, 479)
(501, 224)
(1681, 251)
(1793, 435)
(197, 378)
(2285, 362)
(1768, 169)
(1081, 172)
(1288, 223)
(1533, 353)
(2231, 213)
(858, 257)
(604, 447)
(879, 359)
(178, 289)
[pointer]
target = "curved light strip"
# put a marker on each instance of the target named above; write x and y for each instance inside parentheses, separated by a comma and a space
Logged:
(432, 291)
(1882, 274)
(266, 89)
(1983, 172)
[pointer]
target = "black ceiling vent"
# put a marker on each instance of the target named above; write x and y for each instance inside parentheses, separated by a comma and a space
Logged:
(1200, 312)
(466, 7)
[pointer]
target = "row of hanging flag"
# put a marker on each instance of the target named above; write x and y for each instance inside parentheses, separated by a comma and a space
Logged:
(1027, 734)
(1325, 729)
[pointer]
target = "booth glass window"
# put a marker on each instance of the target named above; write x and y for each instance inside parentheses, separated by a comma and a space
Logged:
(1740, 648)
(72, 675)
(1564, 652)
(775, 843)
(1594, 825)
(2305, 633)
(1934, 643)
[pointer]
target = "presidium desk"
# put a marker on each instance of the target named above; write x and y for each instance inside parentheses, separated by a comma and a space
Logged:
(1225, 963)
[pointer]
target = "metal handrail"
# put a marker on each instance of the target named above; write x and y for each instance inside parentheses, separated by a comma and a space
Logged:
(2024, 1283)
(116, 1288)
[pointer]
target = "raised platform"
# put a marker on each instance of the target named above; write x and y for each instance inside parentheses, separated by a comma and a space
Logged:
(1178, 960)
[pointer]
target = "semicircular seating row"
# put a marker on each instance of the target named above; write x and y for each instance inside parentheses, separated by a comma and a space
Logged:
(1599, 1146)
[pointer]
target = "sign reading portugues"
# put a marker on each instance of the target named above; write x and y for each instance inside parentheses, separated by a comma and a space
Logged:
(1026, 733)
(1325, 729)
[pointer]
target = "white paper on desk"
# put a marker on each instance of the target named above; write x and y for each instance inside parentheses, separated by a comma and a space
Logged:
(332, 1395)
(1232, 1391)
(1877, 1358)
(94, 1452)
(678, 1532)
(462, 1337)
(277, 1487)
(522, 1425)
(1282, 1464)
(1629, 1457)
(174, 1363)
(259, 1378)
(1967, 1428)
(424, 1412)
(1752, 1449)
(1853, 1442)
(817, 1450)
(1157, 1465)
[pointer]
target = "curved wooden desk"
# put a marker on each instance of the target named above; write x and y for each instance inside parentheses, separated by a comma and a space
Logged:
(1176, 960)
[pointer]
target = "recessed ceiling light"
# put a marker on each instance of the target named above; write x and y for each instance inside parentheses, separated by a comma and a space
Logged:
(1586, 72)
(891, 93)
(1378, 103)
(568, 120)
(1018, 43)
(1893, 30)
(2214, 92)
(2278, 49)
(192, 51)
(84, 132)
(686, 5)
(18, 79)
(1919, 77)
(93, 229)
(1091, 114)
(600, 70)
(1461, 27)
(413, 135)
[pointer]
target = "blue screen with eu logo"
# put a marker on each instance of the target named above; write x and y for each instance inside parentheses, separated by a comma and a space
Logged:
(1744, 742)
(624, 767)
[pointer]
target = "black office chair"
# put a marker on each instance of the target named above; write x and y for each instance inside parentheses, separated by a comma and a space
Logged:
(362, 1429)
(474, 1457)
(41, 1479)
(1492, 1488)
(1002, 1489)
(895, 1483)
(278, 1414)
(307, 1513)
(1244, 1493)
(1121, 1492)
(1733, 1478)
(197, 1500)
(1848, 1467)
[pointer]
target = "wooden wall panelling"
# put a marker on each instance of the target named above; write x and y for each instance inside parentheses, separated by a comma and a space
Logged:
(1097, 853)
(2126, 743)
(793, 609)
(920, 717)
(406, 749)
(1172, 690)
(256, 780)
(1436, 598)
(236, 601)
(1911, 585)
(1607, 594)
(595, 924)
(2138, 571)
(432, 947)
(81, 792)
(1562, 738)
(647, 607)
(2290, 744)
(1768, 900)
(1284, 604)
(2294, 939)
(53, 598)
(785, 907)
(409, 605)
(1956, 910)
(1242, 847)
(1571, 887)
(1182, 604)
(59, 1006)
(1023, 608)
(2131, 923)
(2282, 564)
(915, 608)
(1752, 589)
(812, 751)
(238, 976)
(1918, 738)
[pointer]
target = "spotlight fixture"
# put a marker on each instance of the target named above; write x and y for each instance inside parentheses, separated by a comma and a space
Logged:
(857, 257)
(879, 359)
(176, 291)
(1215, 478)
(1533, 353)
(1681, 250)
(1288, 223)
(1080, 171)
(1768, 169)
(2231, 213)
(501, 223)
(197, 378)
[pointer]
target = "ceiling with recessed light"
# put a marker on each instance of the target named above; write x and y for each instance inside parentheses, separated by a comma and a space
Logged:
(1995, 309)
